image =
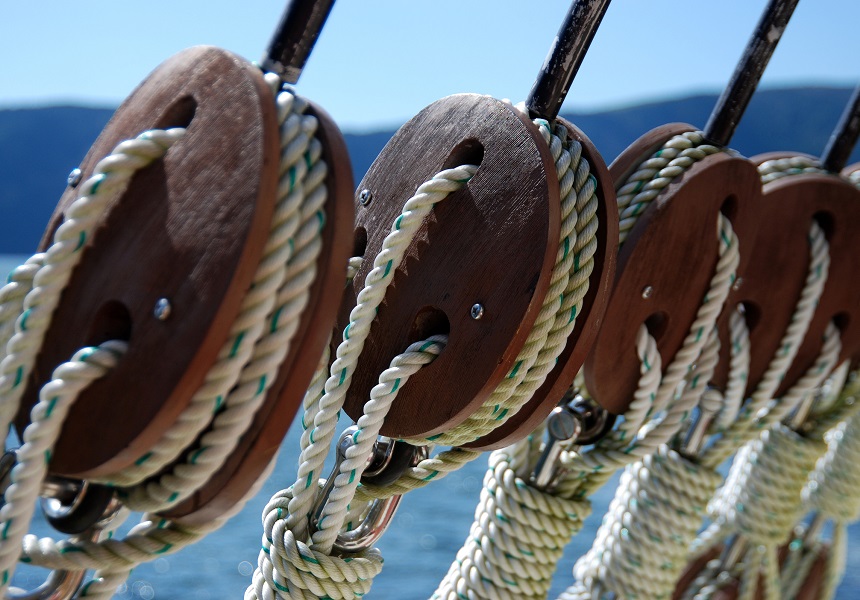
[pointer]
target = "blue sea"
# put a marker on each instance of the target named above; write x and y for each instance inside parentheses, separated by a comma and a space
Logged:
(418, 548)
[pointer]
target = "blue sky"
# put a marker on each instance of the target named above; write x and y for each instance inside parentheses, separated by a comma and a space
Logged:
(378, 62)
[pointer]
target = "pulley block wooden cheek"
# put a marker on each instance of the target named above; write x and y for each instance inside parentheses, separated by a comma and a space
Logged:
(492, 244)
(190, 230)
(589, 320)
(774, 281)
(665, 267)
(261, 441)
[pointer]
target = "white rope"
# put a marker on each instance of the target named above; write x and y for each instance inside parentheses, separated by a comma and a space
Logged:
(771, 170)
(760, 499)
(832, 492)
(563, 302)
(235, 386)
(642, 545)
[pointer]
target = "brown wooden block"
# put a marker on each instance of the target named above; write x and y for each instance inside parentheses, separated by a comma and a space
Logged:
(263, 439)
(190, 228)
(492, 243)
(672, 253)
(774, 280)
(588, 321)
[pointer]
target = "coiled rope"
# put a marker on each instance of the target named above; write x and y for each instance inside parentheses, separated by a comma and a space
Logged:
(760, 499)
(519, 531)
(832, 493)
(233, 389)
(287, 532)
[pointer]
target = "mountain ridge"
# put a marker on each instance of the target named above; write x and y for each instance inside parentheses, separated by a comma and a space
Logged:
(40, 145)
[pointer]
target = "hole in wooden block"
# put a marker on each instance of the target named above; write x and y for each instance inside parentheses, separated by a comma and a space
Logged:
(752, 314)
(359, 244)
(827, 223)
(180, 114)
(428, 322)
(842, 320)
(468, 152)
(112, 322)
(657, 324)
(729, 207)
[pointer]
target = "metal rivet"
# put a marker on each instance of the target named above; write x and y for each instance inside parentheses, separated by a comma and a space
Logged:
(647, 291)
(365, 197)
(162, 309)
(477, 311)
(738, 283)
(74, 178)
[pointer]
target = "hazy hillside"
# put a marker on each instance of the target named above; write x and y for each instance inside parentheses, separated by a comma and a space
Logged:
(39, 146)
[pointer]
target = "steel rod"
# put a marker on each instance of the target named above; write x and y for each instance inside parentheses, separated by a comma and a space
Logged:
(844, 137)
(565, 57)
(736, 97)
(295, 37)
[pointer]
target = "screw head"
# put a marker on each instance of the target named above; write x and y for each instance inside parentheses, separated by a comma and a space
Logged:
(162, 309)
(365, 196)
(647, 292)
(477, 311)
(738, 283)
(74, 177)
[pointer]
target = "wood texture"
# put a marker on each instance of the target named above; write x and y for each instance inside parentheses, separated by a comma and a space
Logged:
(190, 228)
(491, 243)
(673, 250)
(590, 318)
(258, 446)
(774, 280)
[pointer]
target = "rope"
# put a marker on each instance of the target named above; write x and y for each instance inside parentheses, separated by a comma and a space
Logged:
(546, 341)
(642, 546)
(224, 406)
(654, 174)
(771, 170)
(832, 492)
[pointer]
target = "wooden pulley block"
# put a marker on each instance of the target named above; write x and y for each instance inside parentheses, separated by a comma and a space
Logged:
(491, 244)
(588, 322)
(667, 261)
(259, 444)
(772, 284)
(190, 230)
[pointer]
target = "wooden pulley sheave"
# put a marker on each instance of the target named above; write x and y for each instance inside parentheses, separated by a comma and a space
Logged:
(800, 302)
(694, 206)
(812, 191)
(480, 265)
(186, 288)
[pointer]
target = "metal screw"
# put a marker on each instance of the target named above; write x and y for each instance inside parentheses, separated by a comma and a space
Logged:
(365, 196)
(477, 311)
(162, 309)
(74, 178)
(647, 291)
(738, 283)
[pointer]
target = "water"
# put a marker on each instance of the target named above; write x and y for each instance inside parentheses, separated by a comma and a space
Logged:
(426, 534)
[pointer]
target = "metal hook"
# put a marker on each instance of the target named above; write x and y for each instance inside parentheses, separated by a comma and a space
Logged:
(385, 465)
(78, 508)
(576, 421)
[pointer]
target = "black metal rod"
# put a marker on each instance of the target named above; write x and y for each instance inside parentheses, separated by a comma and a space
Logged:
(736, 97)
(565, 57)
(844, 137)
(295, 37)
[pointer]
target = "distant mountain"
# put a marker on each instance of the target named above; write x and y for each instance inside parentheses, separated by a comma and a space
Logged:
(39, 146)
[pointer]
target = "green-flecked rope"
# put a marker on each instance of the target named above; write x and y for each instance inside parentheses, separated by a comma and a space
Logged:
(569, 282)
(642, 546)
(831, 493)
(654, 174)
(235, 386)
